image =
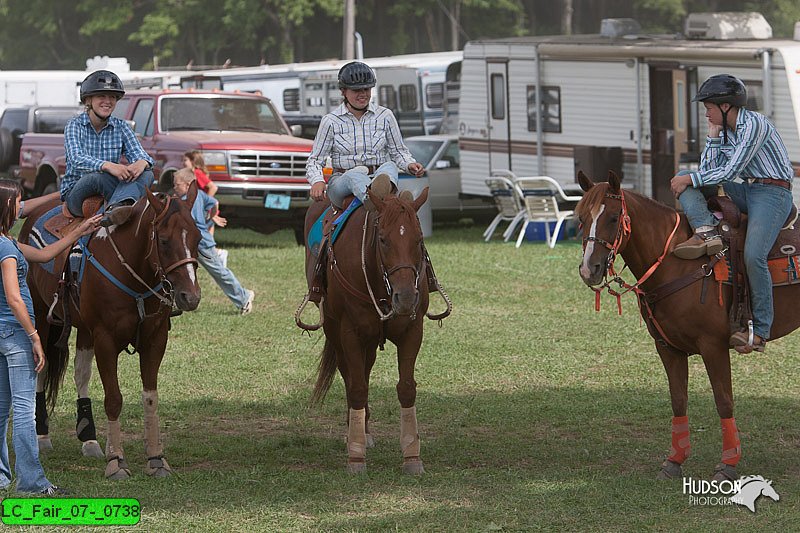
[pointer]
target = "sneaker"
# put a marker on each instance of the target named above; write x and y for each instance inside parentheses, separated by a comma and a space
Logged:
(223, 256)
(247, 308)
(53, 490)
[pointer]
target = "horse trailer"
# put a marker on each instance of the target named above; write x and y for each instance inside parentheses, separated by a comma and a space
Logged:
(615, 100)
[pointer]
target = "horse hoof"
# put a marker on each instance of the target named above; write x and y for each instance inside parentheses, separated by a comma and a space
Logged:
(725, 472)
(670, 470)
(357, 468)
(45, 444)
(91, 448)
(413, 467)
(117, 470)
(370, 441)
(158, 467)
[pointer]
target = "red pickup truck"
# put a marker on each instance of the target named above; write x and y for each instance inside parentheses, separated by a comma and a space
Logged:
(258, 165)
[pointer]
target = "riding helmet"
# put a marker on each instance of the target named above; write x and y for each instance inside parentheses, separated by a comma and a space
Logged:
(356, 75)
(101, 81)
(722, 88)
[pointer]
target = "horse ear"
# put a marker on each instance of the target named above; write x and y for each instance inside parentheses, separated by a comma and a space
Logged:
(191, 195)
(613, 181)
(584, 181)
(421, 199)
(377, 202)
(154, 201)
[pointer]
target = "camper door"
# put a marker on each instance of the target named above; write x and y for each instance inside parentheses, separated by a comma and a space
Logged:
(499, 122)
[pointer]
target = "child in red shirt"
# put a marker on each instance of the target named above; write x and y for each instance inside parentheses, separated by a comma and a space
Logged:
(194, 161)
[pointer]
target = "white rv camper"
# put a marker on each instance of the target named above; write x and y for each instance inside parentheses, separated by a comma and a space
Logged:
(614, 101)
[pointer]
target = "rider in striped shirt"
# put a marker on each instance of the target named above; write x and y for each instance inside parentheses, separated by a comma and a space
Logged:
(749, 148)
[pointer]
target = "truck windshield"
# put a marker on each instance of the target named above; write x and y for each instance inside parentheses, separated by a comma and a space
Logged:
(218, 113)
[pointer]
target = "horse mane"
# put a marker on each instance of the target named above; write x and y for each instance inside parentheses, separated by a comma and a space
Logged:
(596, 196)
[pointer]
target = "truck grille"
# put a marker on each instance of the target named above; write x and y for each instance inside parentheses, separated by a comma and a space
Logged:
(251, 164)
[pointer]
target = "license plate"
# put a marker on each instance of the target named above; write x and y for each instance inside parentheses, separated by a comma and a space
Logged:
(277, 201)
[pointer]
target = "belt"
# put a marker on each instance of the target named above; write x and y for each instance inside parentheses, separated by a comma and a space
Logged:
(370, 169)
(771, 181)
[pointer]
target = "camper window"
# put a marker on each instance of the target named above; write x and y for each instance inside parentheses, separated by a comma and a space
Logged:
(387, 97)
(434, 95)
(408, 98)
(498, 97)
(291, 99)
(550, 106)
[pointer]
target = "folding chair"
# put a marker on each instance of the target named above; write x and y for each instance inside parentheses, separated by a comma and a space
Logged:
(509, 205)
(540, 196)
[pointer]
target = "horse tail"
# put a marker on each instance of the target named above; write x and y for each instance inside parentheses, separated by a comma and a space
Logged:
(325, 373)
(57, 356)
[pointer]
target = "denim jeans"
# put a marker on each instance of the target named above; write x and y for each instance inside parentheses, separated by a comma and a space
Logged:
(110, 187)
(212, 262)
(767, 207)
(355, 182)
(18, 393)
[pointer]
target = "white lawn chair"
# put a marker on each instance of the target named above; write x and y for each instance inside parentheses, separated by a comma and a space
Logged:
(509, 206)
(540, 196)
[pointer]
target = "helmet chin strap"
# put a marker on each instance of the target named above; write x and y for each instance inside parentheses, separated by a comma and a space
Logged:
(349, 103)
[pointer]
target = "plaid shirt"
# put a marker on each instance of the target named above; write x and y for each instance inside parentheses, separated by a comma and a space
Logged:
(87, 149)
(373, 140)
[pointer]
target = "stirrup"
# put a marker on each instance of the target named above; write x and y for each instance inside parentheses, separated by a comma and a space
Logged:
(299, 313)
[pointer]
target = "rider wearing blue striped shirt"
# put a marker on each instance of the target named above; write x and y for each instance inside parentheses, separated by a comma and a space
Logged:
(362, 139)
(750, 148)
(94, 141)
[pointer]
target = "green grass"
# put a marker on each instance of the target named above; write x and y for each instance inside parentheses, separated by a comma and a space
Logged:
(535, 412)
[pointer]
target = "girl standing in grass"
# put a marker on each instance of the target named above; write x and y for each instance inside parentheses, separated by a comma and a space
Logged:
(21, 353)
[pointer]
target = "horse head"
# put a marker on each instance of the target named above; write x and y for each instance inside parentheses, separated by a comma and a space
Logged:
(399, 249)
(176, 240)
(605, 225)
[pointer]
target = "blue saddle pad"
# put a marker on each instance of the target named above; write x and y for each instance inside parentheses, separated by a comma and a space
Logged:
(40, 237)
(315, 235)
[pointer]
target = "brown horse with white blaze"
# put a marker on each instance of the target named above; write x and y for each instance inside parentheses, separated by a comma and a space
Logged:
(644, 232)
(134, 274)
(377, 290)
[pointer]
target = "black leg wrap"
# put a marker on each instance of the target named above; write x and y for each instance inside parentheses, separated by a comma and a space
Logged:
(85, 425)
(41, 415)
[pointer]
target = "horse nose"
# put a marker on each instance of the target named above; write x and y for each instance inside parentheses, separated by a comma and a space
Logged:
(404, 302)
(187, 300)
(591, 274)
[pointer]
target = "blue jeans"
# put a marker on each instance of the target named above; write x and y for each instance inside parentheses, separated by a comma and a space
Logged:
(356, 183)
(211, 261)
(767, 208)
(18, 393)
(110, 187)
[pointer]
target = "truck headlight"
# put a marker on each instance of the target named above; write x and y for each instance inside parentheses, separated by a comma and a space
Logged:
(215, 161)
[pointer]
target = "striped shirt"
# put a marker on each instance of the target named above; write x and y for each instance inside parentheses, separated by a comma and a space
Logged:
(87, 149)
(370, 141)
(754, 150)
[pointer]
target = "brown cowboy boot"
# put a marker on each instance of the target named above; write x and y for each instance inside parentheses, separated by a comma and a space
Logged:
(741, 342)
(381, 186)
(116, 215)
(701, 243)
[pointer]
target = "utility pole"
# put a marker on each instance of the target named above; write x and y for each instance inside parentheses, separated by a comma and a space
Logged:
(348, 41)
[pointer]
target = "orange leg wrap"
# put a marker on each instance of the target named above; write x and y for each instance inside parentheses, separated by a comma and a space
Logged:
(731, 447)
(681, 449)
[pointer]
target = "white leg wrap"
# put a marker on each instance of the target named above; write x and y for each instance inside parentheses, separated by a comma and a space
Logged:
(409, 438)
(114, 441)
(356, 434)
(152, 437)
(83, 371)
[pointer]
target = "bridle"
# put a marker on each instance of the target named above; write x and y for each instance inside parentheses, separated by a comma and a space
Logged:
(622, 235)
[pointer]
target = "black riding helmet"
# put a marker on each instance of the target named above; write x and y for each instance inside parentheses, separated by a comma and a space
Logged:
(101, 81)
(356, 75)
(722, 89)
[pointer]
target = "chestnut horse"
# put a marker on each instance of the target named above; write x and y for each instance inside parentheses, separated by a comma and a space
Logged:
(644, 232)
(376, 290)
(134, 273)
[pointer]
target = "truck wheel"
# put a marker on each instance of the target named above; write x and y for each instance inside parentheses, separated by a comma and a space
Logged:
(6, 148)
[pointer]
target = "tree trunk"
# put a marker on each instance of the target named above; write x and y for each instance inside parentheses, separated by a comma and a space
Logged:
(455, 22)
(566, 17)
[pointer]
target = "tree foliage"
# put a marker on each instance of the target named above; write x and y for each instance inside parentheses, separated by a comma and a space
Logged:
(50, 34)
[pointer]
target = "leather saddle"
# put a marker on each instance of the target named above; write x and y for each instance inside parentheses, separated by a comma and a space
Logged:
(64, 223)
